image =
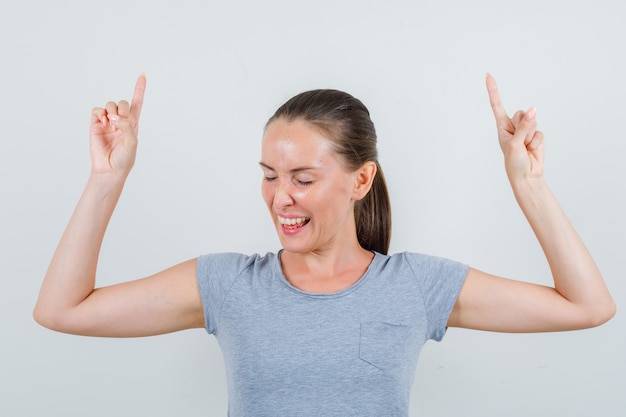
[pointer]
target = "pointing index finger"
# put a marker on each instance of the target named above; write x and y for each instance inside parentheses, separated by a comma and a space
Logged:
(137, 101)
(502, 119)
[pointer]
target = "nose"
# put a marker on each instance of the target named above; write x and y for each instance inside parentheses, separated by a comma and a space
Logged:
(282, 195)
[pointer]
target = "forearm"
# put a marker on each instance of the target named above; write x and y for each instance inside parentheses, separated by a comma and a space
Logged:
(72, 271)
(576, 276)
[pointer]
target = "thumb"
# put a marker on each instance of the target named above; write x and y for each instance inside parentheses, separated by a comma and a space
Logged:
(526, 128)
(124, 126)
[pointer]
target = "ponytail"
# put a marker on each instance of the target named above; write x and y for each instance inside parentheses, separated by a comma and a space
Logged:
(373, 216)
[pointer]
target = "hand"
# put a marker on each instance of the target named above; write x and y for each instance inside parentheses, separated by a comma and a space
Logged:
(113, 133)
(521, 143)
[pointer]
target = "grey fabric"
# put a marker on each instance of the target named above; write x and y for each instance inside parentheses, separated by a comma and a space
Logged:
(350, 353)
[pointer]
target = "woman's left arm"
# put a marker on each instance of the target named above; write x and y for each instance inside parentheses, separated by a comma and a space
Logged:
(580, 298)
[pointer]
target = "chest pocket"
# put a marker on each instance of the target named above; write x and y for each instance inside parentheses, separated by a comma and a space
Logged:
(383, 344)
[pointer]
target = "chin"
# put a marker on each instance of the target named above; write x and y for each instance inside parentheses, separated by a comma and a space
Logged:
(292, 248)
(294, 245)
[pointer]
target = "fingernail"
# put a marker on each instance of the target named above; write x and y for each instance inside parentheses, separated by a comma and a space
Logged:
(113, 117)
(531, 113)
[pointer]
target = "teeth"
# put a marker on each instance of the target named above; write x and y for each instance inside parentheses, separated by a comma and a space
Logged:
(291, 222)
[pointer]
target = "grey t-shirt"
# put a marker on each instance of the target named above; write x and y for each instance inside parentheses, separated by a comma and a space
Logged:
(351, 353)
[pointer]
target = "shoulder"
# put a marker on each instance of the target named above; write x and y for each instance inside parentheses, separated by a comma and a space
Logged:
(218, 273)
(229, 265)
(232, 262)
(421, 263)
(428, 270)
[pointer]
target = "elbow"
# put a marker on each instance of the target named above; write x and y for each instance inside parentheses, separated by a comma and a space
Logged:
(610, 312)
(42, 318)
(601, 313)
(48, 319)
(38, 314)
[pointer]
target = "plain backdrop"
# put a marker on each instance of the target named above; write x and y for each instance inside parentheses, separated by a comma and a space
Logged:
(216, 71)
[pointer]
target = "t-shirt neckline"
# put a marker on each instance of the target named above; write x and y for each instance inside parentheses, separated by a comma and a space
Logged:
(345, 291)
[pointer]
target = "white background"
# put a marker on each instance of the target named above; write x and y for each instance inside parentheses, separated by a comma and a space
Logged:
(216, 71)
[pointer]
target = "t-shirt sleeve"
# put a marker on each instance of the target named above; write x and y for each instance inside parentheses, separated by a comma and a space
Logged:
(440, 281)
(216, 274)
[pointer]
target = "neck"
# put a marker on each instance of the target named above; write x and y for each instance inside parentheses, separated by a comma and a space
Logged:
(326, 271)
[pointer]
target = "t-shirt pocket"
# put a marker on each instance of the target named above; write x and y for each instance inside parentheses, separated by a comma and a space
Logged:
(383, 344)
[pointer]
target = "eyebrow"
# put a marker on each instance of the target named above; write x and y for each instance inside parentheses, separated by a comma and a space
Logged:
(292, 171)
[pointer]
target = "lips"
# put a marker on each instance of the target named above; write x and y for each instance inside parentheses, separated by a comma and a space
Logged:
(292, 225)
(293, 221)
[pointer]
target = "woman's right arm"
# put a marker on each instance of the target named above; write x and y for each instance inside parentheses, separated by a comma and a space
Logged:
(68, 301)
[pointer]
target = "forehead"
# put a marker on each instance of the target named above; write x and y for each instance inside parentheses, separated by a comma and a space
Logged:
(288, 143)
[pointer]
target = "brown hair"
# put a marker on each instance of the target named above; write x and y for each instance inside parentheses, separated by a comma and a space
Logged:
(347, 123)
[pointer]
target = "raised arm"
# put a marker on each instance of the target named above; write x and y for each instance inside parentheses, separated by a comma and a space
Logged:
(579, 298)
(68, 301)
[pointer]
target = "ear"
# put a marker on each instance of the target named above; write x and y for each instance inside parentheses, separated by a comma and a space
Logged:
(364, 179)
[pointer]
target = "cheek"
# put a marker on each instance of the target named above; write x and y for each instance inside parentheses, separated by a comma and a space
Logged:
(333, 199)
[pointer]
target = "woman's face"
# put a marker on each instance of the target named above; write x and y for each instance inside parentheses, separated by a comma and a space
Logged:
(309, 194)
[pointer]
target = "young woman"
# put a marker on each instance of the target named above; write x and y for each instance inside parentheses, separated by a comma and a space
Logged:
(330, 325)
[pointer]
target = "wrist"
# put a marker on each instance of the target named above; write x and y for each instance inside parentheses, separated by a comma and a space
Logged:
(106, 183)
(533, 195)
(528, 184)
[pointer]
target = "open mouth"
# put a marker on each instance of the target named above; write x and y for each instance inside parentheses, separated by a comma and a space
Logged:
(293, 223)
